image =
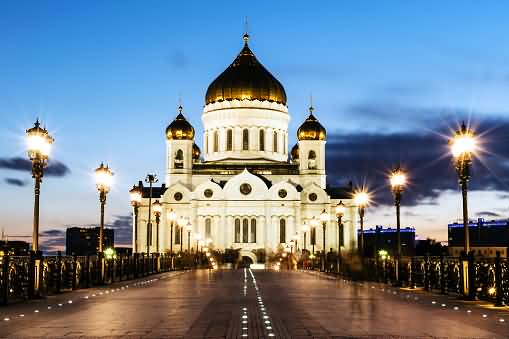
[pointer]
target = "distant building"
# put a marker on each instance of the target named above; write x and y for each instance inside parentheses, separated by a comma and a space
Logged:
(124, 251)
(382, 238)
(85, 240)
(14, 247)
(486, 237)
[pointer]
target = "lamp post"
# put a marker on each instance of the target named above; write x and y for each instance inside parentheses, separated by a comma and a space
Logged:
(103, 178)
(172, 216)
(136, 195)
(340, 212)
(158, 208)
(314, 225)
(361, 199)
(398, 181)
(324, 217)
(150, 179)
(305, 229)
(38, 148)
(181, 223)
(463, 145)
(189, 229)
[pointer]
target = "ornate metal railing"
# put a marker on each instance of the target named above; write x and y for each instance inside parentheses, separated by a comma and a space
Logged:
(57, 274)
(488, 278)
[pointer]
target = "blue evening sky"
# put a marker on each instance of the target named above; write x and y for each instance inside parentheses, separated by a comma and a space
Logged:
(105, 77)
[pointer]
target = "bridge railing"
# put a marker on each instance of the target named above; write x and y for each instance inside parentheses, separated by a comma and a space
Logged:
(57, 274)
(488, 278)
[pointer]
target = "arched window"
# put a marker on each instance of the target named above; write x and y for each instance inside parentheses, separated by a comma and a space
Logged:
(274, 142)
(312, 160)
(229, 140)
(208, 228)
(245, 139)
(237, 230)
(262, 140)
(179, 159)
(245, 230)
(253, 230)
(282, 231)
(216, 141)
(177, 234)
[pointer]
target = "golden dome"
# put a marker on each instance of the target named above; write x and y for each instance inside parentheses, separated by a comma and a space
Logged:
(180, 128)
(246, 79)
(196, 152)
(311, 129)
(294, 154)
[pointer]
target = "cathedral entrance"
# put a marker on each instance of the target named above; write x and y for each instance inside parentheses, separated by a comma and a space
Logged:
(245, 262)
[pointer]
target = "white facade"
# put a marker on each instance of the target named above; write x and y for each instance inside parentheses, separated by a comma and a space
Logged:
(243, 192)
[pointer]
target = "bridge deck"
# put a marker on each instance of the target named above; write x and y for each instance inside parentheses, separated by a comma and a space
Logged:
(248, 304)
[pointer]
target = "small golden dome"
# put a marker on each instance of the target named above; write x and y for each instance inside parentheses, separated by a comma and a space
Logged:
(246, 79)
(311, 129)
(294, 154)
(196, 152)
(180, 128)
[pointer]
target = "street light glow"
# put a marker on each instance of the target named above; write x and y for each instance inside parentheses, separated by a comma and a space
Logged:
(398, 179)
(172, 216)
(135, 195)
(38, 142)
(305, 226)
(157, 207)
(340, 209)
(103, 178)
(324, 216)
(361, 198)
(463, 143)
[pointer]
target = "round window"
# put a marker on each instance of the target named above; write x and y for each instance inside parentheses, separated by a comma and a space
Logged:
(178, 196)
(245, 189)
(312, 196)
(208, 193)
(282, 193)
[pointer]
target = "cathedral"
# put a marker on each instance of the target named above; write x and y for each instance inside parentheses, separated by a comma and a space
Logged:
(245, 188)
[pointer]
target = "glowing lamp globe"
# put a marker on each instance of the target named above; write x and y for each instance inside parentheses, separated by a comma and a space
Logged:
(38, 142)
(463, 143)
(172, 216)
(340, 209)
(361, 198)
(103, 178)
(135, 194)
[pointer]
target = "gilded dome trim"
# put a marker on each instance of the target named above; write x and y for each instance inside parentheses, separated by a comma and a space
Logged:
(180, 129)
(245, 79)
(311, 129)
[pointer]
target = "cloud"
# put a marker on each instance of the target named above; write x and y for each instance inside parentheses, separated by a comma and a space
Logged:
(52, 241)
(55, 168)
(122, 224)
(487, 214)
(15, 182)
(367, 157)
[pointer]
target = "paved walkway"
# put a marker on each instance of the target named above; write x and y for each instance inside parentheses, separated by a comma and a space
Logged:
(248, 304)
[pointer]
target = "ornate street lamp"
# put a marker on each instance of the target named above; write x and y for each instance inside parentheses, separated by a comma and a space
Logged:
(361, 199)
(181, 224)
(398, 181)
(150, 179)
(158, 208)
(189, 229)
(103, 179)
(340, 212)
(324, 218)
(172, 217)
(314, 224)
(38, 148)
(463, 145)
(305, 229)
(136, 194)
